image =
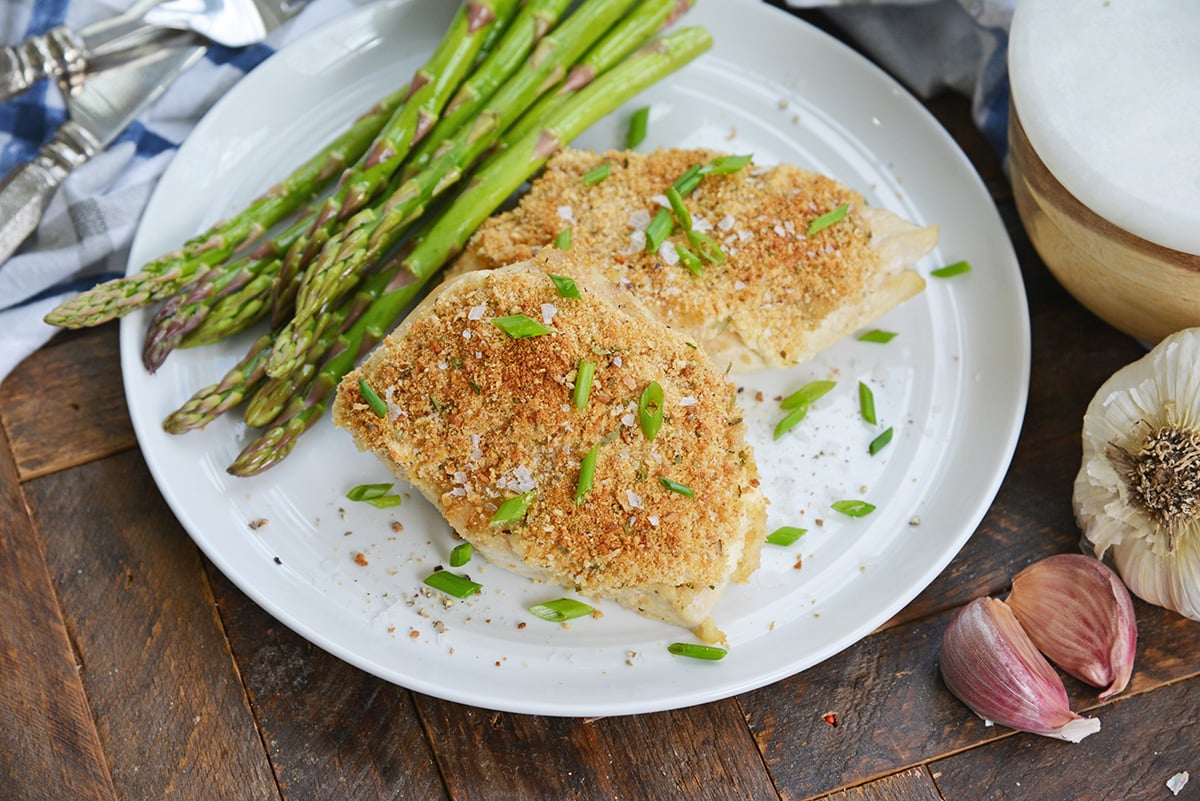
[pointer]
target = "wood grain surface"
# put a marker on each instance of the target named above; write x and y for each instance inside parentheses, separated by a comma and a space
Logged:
(131, 669)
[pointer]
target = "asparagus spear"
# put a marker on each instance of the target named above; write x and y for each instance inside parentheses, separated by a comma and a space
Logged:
(494, 181)
(533, 22)
(186, 311)
(343, 257)
(646, 20)
(429, 92)
(208, 404)
(166, 275)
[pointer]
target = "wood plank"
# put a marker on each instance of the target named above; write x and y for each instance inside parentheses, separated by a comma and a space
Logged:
(49, 748)
(914, 784)
(65, 404)
(332, 731)
(1144, 741)
(893, 711)
(697, 753)
(169, 707)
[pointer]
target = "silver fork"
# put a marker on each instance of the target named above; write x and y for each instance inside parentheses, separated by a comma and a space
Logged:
(67, 55)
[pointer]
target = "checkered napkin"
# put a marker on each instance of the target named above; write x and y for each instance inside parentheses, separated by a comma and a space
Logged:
(85, 235)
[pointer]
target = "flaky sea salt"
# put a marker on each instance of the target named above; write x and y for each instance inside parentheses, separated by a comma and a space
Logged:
(548, 312)
(639, 219)
(566, 213)
(634, 499)
(1177, 782)
(687, 400)
(477, 312)
(667, 252)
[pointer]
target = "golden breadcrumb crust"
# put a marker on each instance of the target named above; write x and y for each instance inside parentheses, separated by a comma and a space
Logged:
(477, 417)
(780, 297)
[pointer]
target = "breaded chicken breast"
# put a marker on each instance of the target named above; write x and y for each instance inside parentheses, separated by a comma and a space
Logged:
(477, 416)
(780, 296)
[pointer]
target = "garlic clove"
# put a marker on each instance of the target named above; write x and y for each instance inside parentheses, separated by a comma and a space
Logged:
(992, 666)
(1079, 614)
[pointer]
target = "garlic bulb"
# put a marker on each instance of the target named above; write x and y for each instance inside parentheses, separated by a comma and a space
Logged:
(1138, 489)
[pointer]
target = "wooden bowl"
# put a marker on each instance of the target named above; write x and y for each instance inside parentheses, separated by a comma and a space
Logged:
(1141, 288)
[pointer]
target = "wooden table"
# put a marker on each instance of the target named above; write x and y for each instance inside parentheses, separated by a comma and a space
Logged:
(130, 668)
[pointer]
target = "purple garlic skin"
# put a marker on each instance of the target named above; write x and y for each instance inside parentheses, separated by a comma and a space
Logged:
(1079, 614)
(992, 666)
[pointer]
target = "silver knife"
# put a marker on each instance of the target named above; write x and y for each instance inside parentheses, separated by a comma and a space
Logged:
(98, 113)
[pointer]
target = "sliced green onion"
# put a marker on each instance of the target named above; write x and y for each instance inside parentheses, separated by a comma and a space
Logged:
(880, 442)
(583, 383)
(951, 270)
(877, 335)
(461, 554)
(853, 508)
(587, 471)
(675, 486)
(372, 398)
(513, 510)
(709, 250)
(807, 394)
(453, 584)
(826, 220)
(866, 403)
(368, 492)
(518, 326)
(710, 652)
(650, 410)
(690, 260)
(785, 535)
(691, 178)
(724, 165)
(681, 213)
(790, 420)
(385, 501)
(597, 174)
(565, 286)
(563, 240)
(659, 229)
(561, 610)
(638, 124)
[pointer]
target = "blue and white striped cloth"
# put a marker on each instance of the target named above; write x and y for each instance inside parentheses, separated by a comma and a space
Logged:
(85, 235)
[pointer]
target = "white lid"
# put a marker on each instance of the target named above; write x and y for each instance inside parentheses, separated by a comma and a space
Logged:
(1108, 92)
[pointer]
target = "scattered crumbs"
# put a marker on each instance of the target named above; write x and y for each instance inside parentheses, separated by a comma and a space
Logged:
(731, 135)
(397, 526)
(799, 563)
(277, 560)
(758, 396)
(831, 718)
(819, 521)
(630, 656)
(391, 629)
(439, 627)
(915, 521)
(771, 627)
(521, 625)
(1177, 782)
(347, 533)
(597, 614)
(341, 513)
(255, 525)
(413, 634)
(783, 103)
(360, 559)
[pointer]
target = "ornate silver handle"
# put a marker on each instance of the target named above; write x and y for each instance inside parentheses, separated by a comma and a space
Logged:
(60, 54)
(26, 191)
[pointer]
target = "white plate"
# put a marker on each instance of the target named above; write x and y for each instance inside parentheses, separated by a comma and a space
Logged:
(953, 384)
